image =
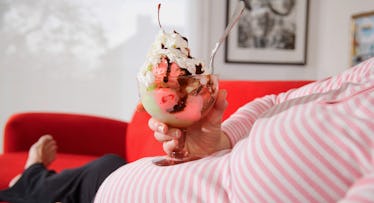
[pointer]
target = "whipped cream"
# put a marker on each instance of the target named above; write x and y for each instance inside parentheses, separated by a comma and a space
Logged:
(175, 48)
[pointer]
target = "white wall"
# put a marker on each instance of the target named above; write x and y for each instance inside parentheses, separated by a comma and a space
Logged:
(328, 42)
(82, 56)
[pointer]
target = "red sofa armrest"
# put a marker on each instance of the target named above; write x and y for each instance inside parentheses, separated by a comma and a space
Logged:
(74, 133)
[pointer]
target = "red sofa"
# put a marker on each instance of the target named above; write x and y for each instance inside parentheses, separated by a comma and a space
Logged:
(82, 138)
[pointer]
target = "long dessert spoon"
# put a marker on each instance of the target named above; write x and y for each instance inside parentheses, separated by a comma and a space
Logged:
(233, 20)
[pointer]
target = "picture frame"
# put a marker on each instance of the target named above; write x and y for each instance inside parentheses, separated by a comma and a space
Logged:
(269, 32)
(362, 37)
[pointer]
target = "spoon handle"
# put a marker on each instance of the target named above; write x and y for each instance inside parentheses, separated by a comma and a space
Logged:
(233, 20)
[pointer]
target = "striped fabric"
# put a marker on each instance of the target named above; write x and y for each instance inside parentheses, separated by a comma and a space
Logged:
(311, 144)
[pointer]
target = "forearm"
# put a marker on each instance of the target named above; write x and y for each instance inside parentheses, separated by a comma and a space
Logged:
(239, 125)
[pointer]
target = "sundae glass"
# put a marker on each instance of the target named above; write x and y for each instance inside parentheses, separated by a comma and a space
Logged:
(175, 88)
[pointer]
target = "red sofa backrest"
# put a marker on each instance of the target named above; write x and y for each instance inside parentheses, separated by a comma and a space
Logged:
(86, 134)
(141, 143)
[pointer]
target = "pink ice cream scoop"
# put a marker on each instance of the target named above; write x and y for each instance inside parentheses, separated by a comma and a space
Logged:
(166, 98)
(167, 72)
(170, 103)
(193, 109)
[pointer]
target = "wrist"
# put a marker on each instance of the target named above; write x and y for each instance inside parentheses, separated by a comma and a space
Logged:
(225, 142)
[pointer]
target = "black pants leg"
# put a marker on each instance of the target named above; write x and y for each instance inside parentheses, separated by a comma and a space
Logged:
(37, 184)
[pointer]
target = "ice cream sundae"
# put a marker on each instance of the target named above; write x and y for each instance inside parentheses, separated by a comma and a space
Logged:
(175, 88)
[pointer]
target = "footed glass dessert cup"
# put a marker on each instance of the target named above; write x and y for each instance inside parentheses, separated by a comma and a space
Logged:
(179, 102)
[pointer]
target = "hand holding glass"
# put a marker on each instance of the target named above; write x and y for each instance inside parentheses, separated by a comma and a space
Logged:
(180, 102)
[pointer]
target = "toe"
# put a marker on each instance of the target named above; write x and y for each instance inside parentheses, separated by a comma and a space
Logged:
(45, 138)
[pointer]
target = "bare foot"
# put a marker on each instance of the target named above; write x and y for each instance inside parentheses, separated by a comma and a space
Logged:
(43, 151)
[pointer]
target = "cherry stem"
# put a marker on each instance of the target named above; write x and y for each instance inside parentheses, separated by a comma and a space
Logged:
(158, 15)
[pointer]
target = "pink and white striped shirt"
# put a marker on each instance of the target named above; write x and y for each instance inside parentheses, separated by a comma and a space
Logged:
(311, 144)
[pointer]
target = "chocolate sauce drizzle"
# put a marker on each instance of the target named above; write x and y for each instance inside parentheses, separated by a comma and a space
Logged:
(201, 89)
(183, 82)
(168, 70)
(185, 38)
(180, 105)
(199, 69)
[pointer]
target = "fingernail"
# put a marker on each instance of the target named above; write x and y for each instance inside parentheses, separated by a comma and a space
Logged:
(161, 128)
(177, 134)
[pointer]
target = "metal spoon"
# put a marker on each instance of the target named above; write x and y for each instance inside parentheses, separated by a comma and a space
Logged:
(233, 20)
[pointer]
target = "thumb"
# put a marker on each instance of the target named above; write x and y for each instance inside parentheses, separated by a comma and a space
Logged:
(221, 102)
(219, 107)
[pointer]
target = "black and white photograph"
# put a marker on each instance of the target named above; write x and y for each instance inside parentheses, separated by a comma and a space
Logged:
(269, 32)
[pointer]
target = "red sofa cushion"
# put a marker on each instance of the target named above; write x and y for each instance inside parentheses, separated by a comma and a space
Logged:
(140, 141)
(18, 159)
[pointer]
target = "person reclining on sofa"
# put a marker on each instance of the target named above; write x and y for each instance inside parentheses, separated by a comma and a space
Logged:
(310, 144)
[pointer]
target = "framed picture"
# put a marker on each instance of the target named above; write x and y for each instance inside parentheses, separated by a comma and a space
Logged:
(362, 37)
(269, 32)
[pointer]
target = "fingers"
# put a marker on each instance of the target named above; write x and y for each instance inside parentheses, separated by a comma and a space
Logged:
(140, 107)
(170, 146)
(157, 126)
(168, 136)
(162, 131)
